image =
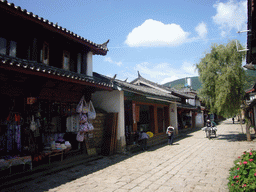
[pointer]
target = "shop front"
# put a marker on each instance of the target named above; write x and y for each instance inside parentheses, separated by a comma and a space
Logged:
(146, 117)
(45, 70)
(186, 116)
(38, 118)
(139, 108)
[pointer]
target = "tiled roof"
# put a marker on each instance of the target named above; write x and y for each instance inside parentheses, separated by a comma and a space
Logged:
(171, 90)
(150, 92)
(25, 13)
(188, 90)
(42, 68)
(187, 106)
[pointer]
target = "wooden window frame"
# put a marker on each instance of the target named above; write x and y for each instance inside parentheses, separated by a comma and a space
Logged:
(5, 42)
(11, 52)
(8, 47)
(79, 63)
(45, 53)
(64, 65)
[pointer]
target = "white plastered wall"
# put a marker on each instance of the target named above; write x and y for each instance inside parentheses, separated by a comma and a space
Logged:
(200, 120)
(89, 64)
(112, 102)
(173, 116)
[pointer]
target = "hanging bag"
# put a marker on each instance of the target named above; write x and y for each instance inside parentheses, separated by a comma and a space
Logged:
(90, 127)
(85, 107)
(33, 124)
(91, 112)
(82, 106)
(80, 137)
(84, 127)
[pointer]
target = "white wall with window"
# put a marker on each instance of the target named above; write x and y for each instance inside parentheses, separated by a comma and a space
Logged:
(173, 116)
(66, 60)
(200, 120)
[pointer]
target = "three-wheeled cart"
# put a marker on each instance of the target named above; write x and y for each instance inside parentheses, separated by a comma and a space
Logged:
(210, 131)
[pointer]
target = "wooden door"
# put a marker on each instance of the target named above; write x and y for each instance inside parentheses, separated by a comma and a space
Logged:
(110, 134)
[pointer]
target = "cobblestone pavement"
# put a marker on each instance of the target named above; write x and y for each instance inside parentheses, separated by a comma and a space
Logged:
(193, 163)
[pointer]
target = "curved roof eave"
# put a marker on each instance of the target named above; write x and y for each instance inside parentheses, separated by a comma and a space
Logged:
(99, 49)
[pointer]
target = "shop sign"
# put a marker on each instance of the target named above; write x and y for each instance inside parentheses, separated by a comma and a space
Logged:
(31, 100)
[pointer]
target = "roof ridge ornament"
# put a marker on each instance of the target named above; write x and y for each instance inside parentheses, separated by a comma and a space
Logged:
(139, 74)
(105, 45)
(112, 79)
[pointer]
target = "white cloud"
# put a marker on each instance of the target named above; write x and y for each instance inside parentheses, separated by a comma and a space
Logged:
(188, 67)
(108, 59)
(201, 30)
(165, 72)
(231, 15)
(155, 33)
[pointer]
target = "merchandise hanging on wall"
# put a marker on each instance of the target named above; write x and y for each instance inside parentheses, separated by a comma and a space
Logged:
(72, 123)
(91, 111)
(13, 135)
(82, 106)
(80, 136)
(33, 124)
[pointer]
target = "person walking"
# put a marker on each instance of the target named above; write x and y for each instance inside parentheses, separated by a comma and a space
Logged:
(170, 133)
(143, 137)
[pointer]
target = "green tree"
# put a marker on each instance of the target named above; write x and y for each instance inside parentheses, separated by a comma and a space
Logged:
(223, 78)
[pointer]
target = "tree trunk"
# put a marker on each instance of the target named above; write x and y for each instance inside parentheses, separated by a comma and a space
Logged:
(248, 134)
(240, 120)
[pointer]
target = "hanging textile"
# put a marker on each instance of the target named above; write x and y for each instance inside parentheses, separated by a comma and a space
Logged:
(13, 134)
(72, 123)
(17, 137)
(9, 136)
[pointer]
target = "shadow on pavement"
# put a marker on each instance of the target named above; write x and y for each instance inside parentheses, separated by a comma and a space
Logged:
(230, 122)
(233, 137)
(67, 174)
(176, 139)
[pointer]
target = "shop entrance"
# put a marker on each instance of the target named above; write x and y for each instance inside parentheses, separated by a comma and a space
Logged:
(160, 119)
(144, 119)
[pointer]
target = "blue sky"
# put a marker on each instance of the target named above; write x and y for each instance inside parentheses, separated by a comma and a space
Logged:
(161, 39)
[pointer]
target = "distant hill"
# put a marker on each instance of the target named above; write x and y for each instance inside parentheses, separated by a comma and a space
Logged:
(180, 83)
(196, 84)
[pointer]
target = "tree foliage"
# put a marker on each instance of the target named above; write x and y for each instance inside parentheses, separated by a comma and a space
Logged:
(222, 77)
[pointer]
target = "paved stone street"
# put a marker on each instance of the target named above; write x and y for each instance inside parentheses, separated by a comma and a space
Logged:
(193, 163)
